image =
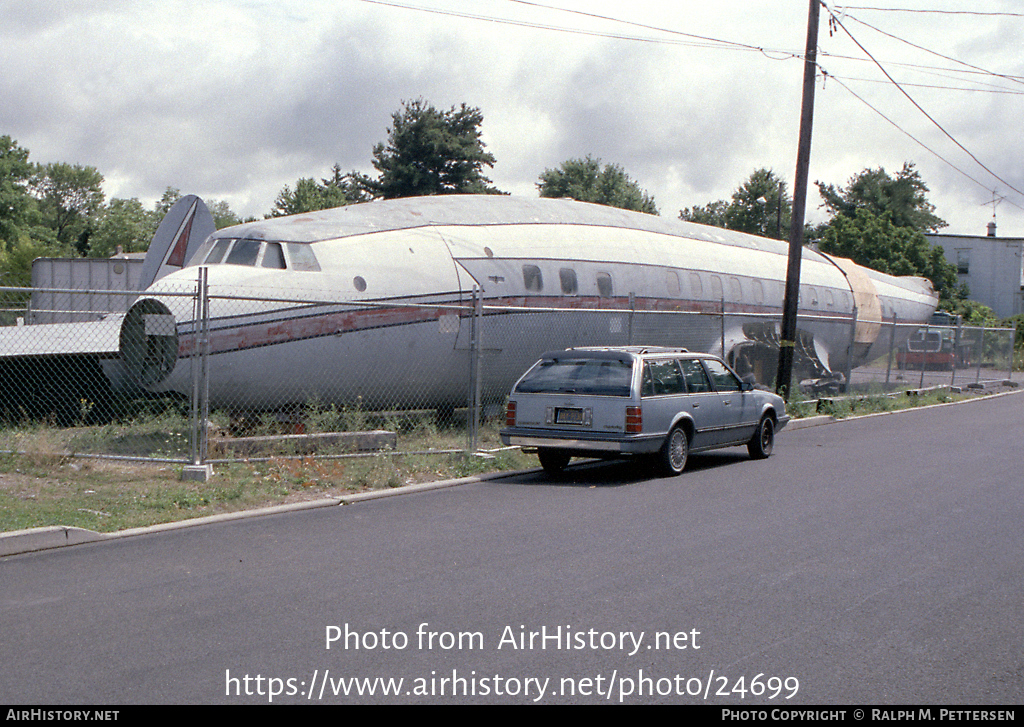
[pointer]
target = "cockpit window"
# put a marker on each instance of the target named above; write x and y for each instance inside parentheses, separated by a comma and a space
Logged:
(243, 252)
(275, 255)
(301, 257)
(272, 256)
(217, 253)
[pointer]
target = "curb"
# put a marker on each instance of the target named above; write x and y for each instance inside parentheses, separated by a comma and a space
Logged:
(59, 536)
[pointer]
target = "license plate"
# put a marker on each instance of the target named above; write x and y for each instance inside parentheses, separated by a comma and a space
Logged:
(568, 416)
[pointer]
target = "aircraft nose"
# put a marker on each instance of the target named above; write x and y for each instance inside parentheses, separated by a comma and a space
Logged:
(149, 342)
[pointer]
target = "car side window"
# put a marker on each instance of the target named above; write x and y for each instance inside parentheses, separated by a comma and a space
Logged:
(696, 379)
(725, 380)
(662, 377)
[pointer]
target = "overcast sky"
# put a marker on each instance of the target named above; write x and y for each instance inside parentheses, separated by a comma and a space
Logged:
(233, 99)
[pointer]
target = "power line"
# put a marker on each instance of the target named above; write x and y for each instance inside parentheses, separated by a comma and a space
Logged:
(939, 12)
(1016, 79)
(914, 138)
(834, 19)
(695, 41)
(936, 86)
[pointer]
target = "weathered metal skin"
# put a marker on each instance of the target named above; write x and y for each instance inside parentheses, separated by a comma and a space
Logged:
(573, 273)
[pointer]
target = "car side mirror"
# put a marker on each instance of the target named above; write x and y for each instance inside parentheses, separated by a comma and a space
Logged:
(749, 382)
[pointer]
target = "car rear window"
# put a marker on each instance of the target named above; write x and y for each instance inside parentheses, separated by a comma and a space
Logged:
(579, 376)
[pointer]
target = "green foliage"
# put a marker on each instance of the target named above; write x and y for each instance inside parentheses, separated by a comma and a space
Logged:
(430, 152)
(124, 224)
(16, 259)
(902, 198)
(69, 195)
(875, 242)
(586, 181)
(16, 204)
(761, 206)
(713, 213)
(310, 195)
(222, 214)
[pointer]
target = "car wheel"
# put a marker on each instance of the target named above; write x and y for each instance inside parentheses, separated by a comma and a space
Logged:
(674, 452)
(552, 460)
(761, 444)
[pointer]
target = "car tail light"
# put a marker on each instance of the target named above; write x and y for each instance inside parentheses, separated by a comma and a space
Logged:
(634, 420)
(510, 414)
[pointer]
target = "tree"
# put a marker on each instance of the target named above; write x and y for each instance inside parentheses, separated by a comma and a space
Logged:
(430, 152)
(875, 242)
(16, 203)
(307, 196)
(584, 180)
(713, 213)
(760, 206)
(123, 223)
(223, 215)
(68, 194)
(902, 197)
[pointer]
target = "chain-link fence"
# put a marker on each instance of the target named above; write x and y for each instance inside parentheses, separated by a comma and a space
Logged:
(200, 374)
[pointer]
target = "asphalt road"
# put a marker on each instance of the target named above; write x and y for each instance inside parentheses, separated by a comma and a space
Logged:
(872, 561)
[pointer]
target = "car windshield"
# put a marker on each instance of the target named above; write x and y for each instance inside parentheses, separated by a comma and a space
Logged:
(579, 376)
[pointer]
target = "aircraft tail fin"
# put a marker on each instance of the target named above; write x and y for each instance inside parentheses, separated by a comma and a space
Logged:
(184, 228)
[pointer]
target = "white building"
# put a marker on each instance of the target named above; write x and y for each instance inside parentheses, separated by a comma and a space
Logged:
(992, 267)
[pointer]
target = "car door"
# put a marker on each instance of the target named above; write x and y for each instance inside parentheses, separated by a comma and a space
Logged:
(737, 406)
(703, 405)
(663, 386)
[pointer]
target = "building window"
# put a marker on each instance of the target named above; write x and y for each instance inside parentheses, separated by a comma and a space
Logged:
(963, 262)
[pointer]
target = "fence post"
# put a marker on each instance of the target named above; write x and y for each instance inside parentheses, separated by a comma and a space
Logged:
(849, 349)
(475, 380)
(892, 345)
(981, 353)
(924, 351)
(1013, 340)
(200, 416)
(956, 349)
(632, 308)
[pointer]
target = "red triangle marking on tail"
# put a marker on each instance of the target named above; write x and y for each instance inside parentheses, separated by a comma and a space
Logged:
(177, 256)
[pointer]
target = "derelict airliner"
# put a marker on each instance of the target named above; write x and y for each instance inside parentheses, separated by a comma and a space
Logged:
(564, 273)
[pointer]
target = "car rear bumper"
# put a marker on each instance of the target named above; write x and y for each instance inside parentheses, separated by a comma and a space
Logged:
(573, 442)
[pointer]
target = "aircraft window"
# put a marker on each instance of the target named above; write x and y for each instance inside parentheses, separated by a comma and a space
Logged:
(758, 292)
(244, 252)
(696, 379)
(532, 278)
(301, 257)
(829, 300)
(696, 287)
(273, 257)
(604, 285)
(716, 288)
(672, 281)
(217, 253)
(724, 379)
(359, 283)
(567, 276)
(735, 291)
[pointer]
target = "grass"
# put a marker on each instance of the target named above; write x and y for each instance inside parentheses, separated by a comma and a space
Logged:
(43, 485)
(40, 488)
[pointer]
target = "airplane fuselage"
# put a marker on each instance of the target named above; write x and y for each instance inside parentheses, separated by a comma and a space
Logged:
(372, 302)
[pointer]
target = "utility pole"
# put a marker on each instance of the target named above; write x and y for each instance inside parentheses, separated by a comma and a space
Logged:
(787, 343)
